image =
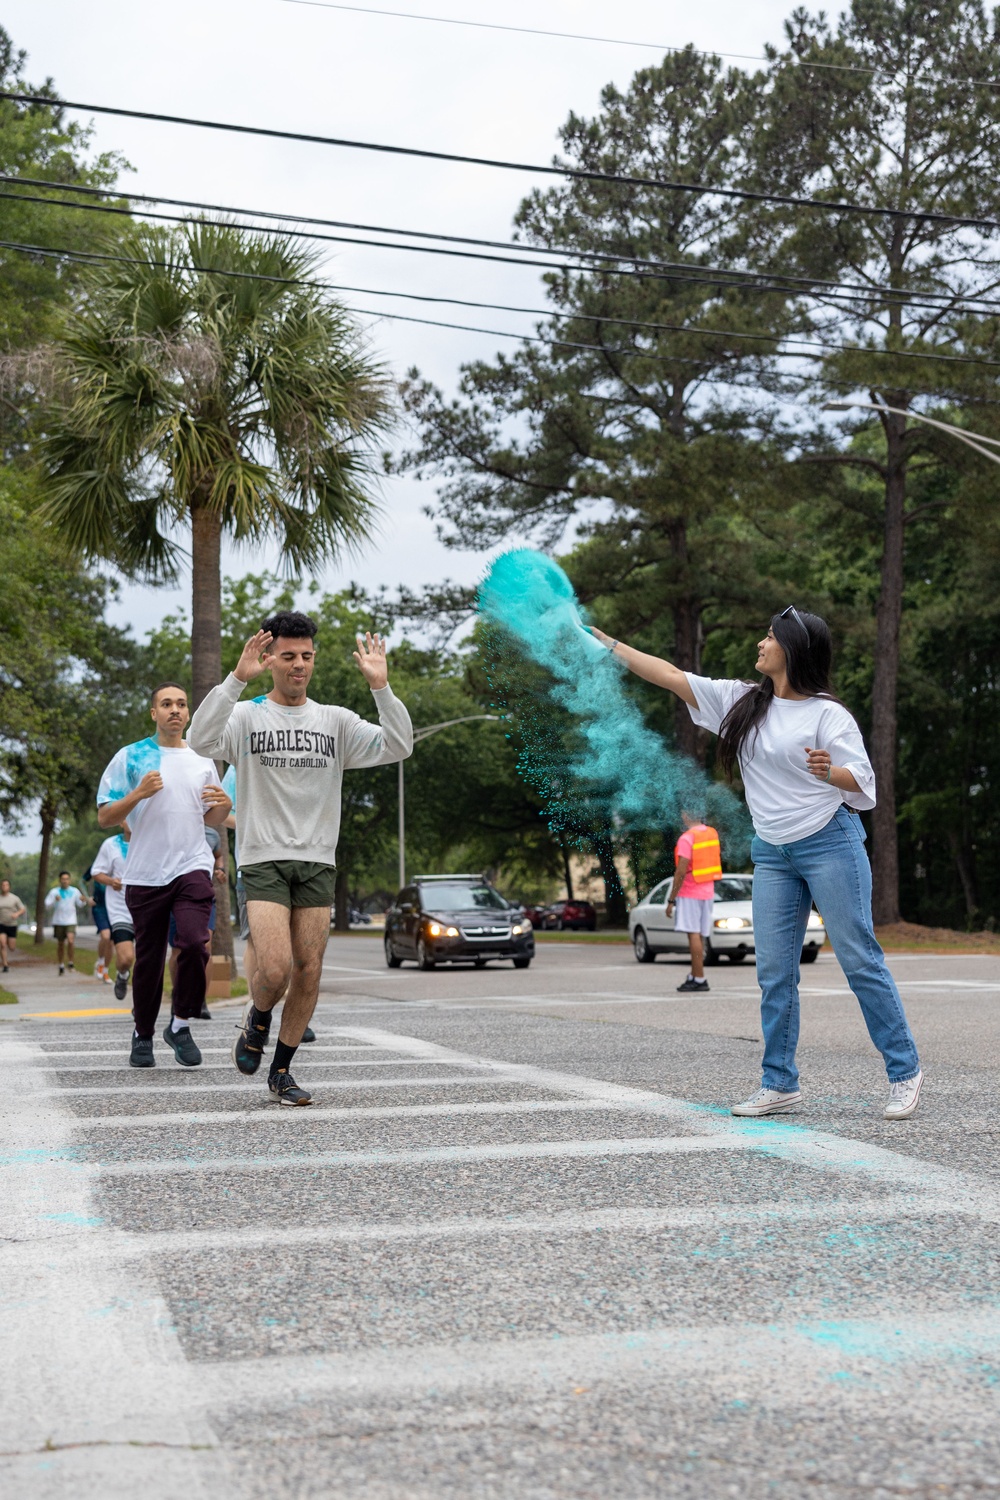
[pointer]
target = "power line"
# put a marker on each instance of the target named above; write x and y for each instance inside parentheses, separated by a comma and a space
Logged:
(728, 278)
(577, 173)
(90, 256)
(615, 41)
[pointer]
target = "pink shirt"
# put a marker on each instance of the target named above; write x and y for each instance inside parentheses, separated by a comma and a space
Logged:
(696, 890)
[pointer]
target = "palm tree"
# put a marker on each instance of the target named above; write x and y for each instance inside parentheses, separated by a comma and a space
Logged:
(207, 381)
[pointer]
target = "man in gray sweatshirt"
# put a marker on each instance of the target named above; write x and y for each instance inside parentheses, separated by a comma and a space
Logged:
(290, 756)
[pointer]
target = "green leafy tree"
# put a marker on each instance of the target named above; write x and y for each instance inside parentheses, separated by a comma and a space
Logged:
(68, 680)
(210, 384)
(893, 106)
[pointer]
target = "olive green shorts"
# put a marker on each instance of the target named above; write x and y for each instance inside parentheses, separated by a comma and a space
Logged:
(290, 882)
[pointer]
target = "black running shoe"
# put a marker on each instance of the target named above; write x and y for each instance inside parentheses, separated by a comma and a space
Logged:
(184, 1045)
(204, 1014)
(692, 987)
(121, 984)
(71, 966)
(248, 1048)
(285, 1090)
(141, 1055)
(309, 1035)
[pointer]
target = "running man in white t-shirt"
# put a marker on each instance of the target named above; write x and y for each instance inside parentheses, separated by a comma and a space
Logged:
(804, 766)
(108, 870)
(62, 901)
(168, 794)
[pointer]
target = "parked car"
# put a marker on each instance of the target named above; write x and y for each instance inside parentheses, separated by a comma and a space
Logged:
(540, 917)
(455, 919)
(652, 931)
(564, 915)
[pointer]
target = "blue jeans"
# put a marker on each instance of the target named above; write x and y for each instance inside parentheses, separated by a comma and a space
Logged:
(831, 869)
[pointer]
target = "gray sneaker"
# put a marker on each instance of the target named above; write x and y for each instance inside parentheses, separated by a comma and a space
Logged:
(903, 1098)
(184, 1046)
(766, 1102)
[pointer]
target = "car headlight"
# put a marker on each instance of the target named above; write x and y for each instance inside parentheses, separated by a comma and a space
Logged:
(520, 927)
(815, 920)
(730, 924)
(451, 932)
(434, 929)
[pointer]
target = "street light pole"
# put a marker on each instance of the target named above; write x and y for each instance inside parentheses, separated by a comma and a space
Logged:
(423, 734)
(973, 440)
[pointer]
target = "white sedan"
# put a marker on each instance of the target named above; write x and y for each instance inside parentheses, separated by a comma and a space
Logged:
(652, 931)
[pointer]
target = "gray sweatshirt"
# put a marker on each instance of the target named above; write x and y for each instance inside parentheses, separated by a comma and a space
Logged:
(290, 764)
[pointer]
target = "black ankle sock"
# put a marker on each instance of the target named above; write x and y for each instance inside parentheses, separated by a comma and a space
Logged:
(259, 1019)
(283, 1055)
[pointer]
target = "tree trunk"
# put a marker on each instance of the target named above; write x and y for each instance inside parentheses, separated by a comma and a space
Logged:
(615, 904)
(206, 599)
(48, 817)
(567, 873)
(885, 853)
(206, 667)
(341, 903)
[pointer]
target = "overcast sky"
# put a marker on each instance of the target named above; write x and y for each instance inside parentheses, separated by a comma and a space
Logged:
(302, 67)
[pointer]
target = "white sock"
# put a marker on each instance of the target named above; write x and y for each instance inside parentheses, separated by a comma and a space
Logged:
(176, 1024)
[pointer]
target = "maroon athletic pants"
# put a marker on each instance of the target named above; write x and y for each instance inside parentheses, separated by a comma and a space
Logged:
(189, 898)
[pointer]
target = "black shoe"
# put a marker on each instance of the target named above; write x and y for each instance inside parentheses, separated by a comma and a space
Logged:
(6, 968)
(141, 1055)
(693, 987)
(184, 1045)
(204, 1014)
(62, 968)
(121, 984)
(71, 966)
(248, 1048)
(309, 1035)
(285, 1090)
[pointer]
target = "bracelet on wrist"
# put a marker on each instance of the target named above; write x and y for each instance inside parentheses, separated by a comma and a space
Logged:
(829, 773)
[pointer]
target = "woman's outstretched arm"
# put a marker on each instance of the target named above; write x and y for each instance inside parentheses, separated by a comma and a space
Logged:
(653, 668)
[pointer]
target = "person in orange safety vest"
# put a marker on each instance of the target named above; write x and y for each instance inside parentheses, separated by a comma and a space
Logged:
(697, 866)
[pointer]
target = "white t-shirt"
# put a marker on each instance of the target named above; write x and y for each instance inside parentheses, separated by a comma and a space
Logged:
(168, 829)
(64, 904)
(111, 861)
(786, 801)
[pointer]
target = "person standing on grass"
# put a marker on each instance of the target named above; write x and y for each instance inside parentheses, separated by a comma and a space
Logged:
(290, 756)
(108, 871)
(12, 908)
(168, 794)
(805, 771)
(697, 865)
(63, 900)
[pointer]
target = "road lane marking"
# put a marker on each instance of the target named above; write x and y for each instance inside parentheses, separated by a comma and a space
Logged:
(777, 1214)
(574, 1150)
(359, 1062)
(189, 1086)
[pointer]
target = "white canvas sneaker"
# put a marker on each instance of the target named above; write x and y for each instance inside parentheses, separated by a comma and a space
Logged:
(903, 1098)
(767, 1102)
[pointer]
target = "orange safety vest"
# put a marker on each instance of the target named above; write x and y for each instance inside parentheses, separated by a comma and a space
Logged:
(706, 854)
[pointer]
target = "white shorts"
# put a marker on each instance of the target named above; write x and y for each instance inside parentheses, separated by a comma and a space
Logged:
(693, 915)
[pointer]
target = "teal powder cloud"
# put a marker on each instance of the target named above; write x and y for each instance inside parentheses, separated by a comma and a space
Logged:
(641, 781)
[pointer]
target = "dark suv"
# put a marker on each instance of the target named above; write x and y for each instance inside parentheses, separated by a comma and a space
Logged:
(455, 919)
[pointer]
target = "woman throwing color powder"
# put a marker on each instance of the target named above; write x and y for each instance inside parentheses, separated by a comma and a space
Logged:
(803, 763)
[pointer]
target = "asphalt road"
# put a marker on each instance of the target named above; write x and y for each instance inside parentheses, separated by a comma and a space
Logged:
(518, 1247)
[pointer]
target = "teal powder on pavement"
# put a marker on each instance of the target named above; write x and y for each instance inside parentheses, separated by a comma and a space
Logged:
(640, 780)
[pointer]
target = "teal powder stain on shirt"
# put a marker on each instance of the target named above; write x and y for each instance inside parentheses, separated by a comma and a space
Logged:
(142, 757)
(640, 781)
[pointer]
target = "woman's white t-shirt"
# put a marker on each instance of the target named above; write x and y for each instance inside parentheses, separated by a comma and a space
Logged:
(786, 801)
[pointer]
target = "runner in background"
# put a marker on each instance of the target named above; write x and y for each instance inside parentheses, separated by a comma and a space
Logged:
(168, 794)
(12, 908)
(103, 924)
(249, 955)
(62, 901)
(697, 866)
(109, 875)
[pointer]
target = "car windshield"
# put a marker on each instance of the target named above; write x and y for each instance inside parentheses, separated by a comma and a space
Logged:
(456, 897)
(734, 888)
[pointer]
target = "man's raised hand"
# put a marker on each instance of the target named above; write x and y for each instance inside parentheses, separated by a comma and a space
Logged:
(250, 665)
(370, 657)
(150, 784)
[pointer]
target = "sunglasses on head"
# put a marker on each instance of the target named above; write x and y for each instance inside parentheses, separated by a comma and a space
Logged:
(791, 610)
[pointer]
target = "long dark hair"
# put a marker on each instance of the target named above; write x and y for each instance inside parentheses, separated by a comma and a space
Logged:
(807, 662)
